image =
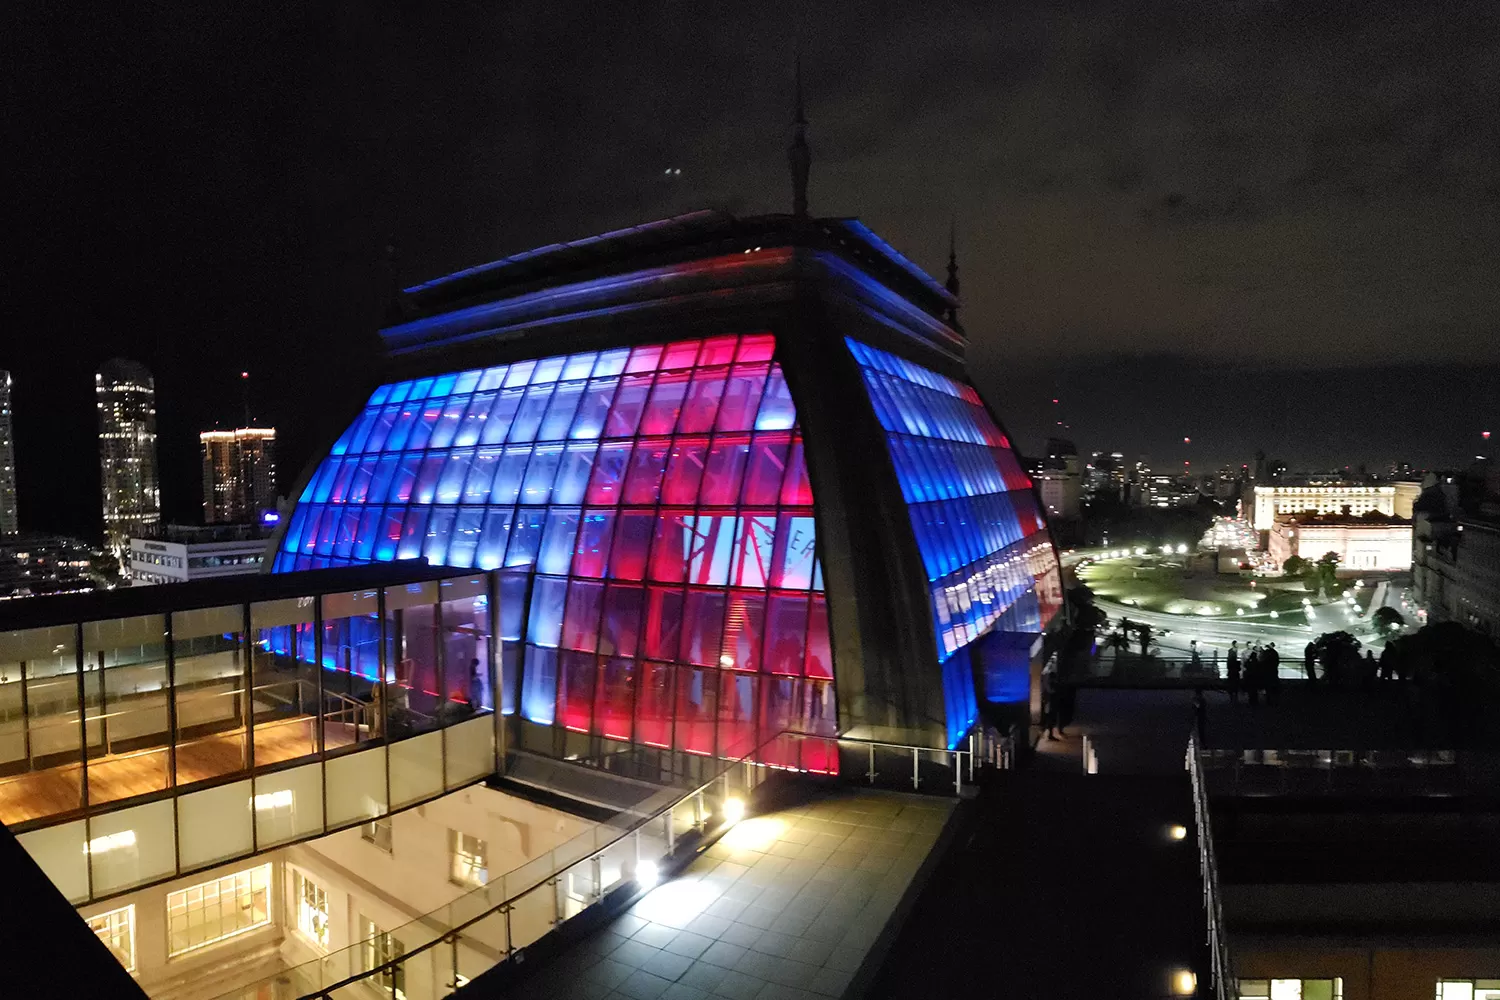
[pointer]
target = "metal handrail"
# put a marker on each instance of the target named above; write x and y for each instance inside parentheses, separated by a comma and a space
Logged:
(1218, 943)
(551, 873)
(592, 856)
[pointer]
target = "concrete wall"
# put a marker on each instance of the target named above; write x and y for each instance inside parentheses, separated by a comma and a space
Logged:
(390, 888)
(209, 971)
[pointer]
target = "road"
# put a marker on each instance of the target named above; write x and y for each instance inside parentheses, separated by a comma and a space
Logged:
(1217, 633)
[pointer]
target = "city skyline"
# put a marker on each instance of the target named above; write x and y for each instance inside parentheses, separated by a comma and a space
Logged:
(1444, 433)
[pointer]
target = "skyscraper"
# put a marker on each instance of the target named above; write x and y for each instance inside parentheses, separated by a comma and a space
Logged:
(239, 473)
(8, 522)
(125, 395)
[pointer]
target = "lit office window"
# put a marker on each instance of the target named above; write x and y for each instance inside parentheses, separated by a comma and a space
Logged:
(210, 912)
(1292, 989)
(470, 865)
(312, 909)
(117, 930)
(379, 948)
(1468, 989)
(984, 543)
(378, 832)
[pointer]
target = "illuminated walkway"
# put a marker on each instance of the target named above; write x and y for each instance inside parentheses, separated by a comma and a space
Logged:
(786, 905)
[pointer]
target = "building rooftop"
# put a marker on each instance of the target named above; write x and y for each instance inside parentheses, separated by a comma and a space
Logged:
(200, 534)
(692, 236)
(1371, 519)
(128, 602)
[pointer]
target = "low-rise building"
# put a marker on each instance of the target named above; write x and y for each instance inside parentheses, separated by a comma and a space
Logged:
(1371, 541)
(1271, 502)
(176, 553)
(1059, 480)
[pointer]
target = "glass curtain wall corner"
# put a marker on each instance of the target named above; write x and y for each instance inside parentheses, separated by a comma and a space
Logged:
(984, 544)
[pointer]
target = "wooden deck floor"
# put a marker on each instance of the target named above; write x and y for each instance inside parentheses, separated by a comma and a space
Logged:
(121, 776)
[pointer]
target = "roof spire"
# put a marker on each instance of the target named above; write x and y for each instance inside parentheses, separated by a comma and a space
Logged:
(799, 157)
(952, 283)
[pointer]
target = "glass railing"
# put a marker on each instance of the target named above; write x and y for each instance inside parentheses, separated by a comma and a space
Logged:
(1221, 966)
(435, 954)
(1379, 773)
(1121, 668)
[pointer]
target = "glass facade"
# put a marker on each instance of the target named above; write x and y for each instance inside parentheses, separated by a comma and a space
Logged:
(223, 707)
(654, 501)
(984, 543)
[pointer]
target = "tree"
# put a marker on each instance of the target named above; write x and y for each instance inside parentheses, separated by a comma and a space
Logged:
(1387, 620)
(1338, 654)
(1328, 573)
(1296, 566)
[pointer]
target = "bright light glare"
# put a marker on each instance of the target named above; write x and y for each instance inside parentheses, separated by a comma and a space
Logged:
(1184, 983)
(755, 834)
(1177, 832)
(647, 874)
(273, 800)
(110, 842)
(1182, 548)
(734, 810)
(679, 899)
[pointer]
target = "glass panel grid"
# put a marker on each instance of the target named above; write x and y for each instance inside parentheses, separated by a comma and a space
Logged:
(671, 474)
(984, 545)
(117, 930)
(210, 912)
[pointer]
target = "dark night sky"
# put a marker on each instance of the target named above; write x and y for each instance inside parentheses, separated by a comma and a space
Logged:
(1251, 222)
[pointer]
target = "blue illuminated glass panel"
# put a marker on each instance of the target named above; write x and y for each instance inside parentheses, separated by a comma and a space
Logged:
(658, 497)
(984, 544)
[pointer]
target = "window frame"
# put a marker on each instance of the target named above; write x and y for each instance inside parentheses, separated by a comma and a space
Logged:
(263, 884)
(467, 854)
(106, 928)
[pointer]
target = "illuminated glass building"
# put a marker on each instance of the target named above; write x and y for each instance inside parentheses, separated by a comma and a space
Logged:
(239, 474)
(733, 475)
(125, 395)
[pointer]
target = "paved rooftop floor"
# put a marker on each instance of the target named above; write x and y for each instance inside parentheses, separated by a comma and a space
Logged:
(787, 906)
(1057, 886)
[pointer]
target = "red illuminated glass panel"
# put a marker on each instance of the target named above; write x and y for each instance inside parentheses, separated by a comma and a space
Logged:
(656, 503)
(696, 717)
(654, 704)
(615, 700)
(575, 689)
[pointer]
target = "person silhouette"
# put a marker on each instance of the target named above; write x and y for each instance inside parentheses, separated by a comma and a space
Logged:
(1232, 662)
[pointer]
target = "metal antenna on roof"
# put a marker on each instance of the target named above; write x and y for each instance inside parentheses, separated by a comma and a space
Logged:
(798, 155)
(952, 283)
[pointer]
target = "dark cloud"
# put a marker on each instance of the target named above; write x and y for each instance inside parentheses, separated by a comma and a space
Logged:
(1308, 185)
